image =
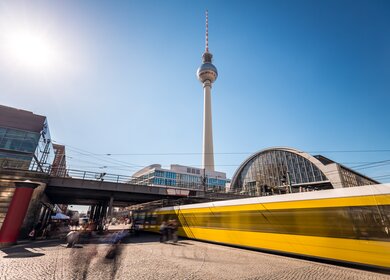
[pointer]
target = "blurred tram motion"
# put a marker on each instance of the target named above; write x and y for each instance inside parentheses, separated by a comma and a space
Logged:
(349, 225)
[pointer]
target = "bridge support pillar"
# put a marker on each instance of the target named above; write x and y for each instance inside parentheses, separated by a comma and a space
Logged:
(47, 216)
(97, 213)
(16, 212)
(109, 214)
(42, 217)
(42, 214)
(92, 212)
(101, 215)
(104, 211)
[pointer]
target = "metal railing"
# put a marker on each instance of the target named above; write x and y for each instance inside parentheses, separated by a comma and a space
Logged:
(122, 179)
(102, 177)
(119, 179)
(95, 176)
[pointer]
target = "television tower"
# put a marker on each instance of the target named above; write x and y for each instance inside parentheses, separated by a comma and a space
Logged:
(207, 73)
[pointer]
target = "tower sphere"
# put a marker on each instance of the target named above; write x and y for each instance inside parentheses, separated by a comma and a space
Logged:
(207, 71)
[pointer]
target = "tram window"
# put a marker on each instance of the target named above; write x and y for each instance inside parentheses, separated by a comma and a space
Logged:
(153, 219)
(370, 222)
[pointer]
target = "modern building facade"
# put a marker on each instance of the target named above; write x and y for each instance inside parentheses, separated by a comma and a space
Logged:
(181, 176)
(285, 170)
(25, 144)
(25, 141)
(207, 74)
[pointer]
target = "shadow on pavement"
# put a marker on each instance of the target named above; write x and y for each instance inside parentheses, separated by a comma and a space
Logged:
(20, 250)
(25, 248)
(23, 253)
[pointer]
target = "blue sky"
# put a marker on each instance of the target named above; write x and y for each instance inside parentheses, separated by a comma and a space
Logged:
(312, 75)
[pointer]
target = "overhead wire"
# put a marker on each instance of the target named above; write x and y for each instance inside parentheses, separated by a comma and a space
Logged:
(131, 166)
(234, 153)
(98, 157)
(363, 166)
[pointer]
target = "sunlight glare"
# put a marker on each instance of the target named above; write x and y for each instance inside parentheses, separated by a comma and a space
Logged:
(30, 50)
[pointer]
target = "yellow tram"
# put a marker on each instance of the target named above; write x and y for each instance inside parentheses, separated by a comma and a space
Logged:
(348, 225)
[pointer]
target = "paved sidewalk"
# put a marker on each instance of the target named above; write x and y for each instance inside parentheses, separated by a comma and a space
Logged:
(144, 257)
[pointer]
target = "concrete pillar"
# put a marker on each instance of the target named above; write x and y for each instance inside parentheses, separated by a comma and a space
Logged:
(47, 217)
(16, 212)
(97, 212)
(208, 149)
(42, 213)
(91, 212)
(110, 203)
(101, 216)
(104, 211)
(43, 217)
(49, 214)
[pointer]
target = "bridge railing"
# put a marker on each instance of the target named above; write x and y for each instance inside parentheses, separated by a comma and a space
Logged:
(115, 178)
(122, 179)
(95, 176)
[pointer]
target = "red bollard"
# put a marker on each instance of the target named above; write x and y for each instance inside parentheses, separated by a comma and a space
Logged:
(16, 212)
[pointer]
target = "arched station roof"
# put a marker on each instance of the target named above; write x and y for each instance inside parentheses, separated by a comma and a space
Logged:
(269, 166)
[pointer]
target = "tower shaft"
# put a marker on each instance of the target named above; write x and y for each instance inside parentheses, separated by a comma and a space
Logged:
(208, 149)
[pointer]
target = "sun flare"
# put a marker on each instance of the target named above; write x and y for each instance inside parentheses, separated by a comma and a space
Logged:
(30, 50)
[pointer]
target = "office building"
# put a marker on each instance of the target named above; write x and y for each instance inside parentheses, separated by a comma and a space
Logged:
(181, 176)
(25, 141)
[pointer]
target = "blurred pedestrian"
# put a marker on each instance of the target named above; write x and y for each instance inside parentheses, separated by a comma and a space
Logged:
(170, 230)
(115, 241)
(72, 238)
(175, 227)
(163, 231)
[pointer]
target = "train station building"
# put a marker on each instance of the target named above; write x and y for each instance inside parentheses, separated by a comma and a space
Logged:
(285, 170)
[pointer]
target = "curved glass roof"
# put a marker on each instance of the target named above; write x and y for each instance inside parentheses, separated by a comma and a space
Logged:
(275, 169)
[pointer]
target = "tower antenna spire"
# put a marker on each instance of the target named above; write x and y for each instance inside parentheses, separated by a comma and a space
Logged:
(207, 31)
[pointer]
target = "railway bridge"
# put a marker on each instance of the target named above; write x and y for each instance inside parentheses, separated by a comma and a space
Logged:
(28, 196)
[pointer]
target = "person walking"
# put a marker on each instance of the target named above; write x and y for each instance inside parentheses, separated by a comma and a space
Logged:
(175, 227)
(72, 238)
(163, 231)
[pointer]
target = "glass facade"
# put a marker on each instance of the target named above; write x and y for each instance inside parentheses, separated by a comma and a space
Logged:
(27, 150)
(278, 171)
(181, 180)
(17, 147)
